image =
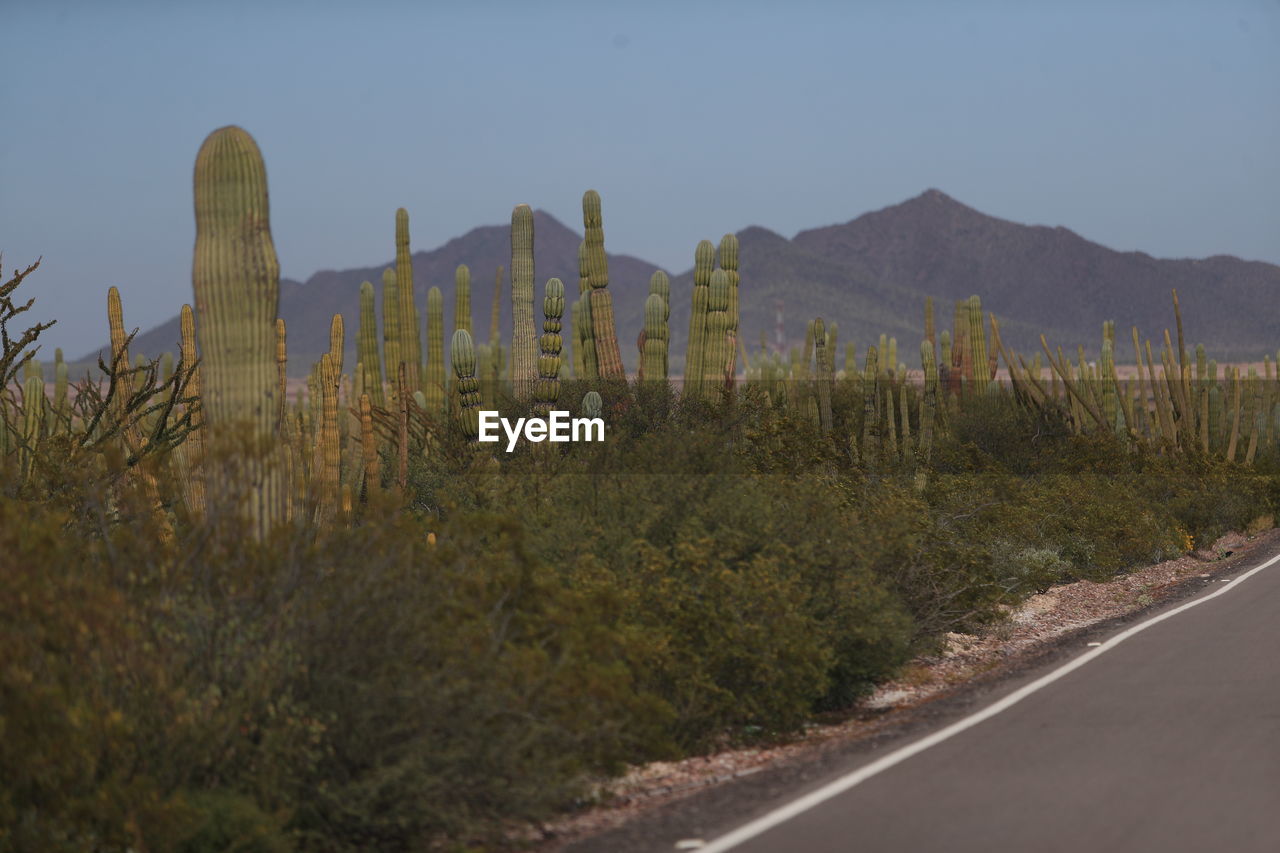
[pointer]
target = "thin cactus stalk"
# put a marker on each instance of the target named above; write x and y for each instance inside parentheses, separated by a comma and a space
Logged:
(337, 341)
(282, 375)
(806, 357)
(462, 298)
(328, 450)
(890, 425)
(904, 419)
(944, 370)
(61, 401)
(120, 363)
(236, 278)
(575, 340)
(390, 325)
(729, 263)
(1254, 417)
(1110, 401)
(402, 427)
(524, 334)
(822, 354)
(603, 329)
(586, 333)
(547, 389)
(189, 455)
(367, 348)
(660, 285)
(33, 407)
(1236, 395)
(410, 349)
(434, 385)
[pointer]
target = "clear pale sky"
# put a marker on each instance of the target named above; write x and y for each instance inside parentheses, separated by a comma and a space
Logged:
(1140, 125)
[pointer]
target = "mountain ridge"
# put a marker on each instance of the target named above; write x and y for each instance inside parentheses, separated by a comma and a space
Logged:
(870, 275)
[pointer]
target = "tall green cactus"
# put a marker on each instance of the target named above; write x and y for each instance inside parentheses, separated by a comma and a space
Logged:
(586, 328)
(660, 285)
(717, 349)
(462, 298)
(654, 361)
(236, 278)
(434, 386)
(33, 418)
(704, 262)
(410, 342)
(463, 355)
(390, 325)
(524, 335)
(978, 346)
(547, 389)
(367, 347)
(603, 330)
(729, 263)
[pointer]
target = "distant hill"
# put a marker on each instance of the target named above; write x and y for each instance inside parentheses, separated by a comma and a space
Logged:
(870, 275)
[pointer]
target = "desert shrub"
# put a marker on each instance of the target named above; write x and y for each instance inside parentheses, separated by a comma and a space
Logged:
(463, 685)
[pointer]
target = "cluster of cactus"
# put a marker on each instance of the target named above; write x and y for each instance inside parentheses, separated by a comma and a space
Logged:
(317, 457)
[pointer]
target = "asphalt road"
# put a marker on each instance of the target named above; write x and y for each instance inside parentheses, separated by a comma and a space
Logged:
(1166, 737)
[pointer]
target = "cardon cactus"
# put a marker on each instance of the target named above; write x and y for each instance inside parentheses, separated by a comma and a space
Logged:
(586, 330)
(434, 385)
(390, 324)
(462, 298)
(729, 263)
(704, 261)
(189, 455)
(407, 327)
(337, 341)
(660, 285)
(367, 348)
(282, 371)
(463, 354)
(236, 278)
(547, 389)
(608, 355)
(524, 340)
(33, 418)
(718, 349)
(654, 360)
(328, 455)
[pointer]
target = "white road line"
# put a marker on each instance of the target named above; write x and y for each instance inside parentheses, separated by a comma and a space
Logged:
(798, 806)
